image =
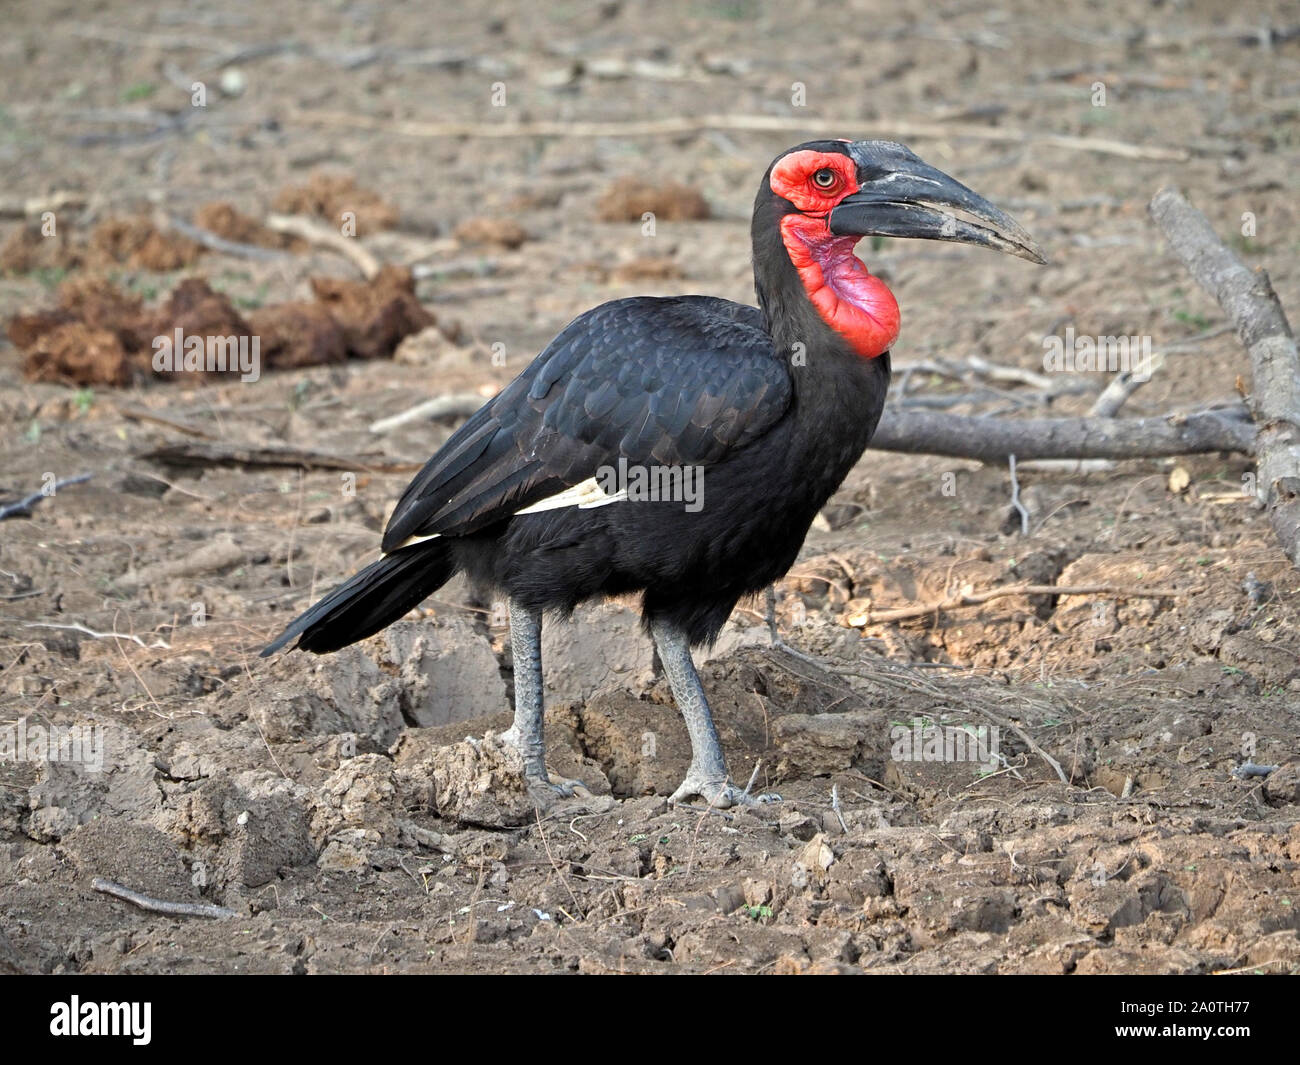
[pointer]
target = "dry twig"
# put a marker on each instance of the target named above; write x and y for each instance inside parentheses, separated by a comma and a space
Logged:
(457, 404)
(325, 237)
(148, 902)
(78, 627)
(23, 507)
(215, 243)
(1020, 507)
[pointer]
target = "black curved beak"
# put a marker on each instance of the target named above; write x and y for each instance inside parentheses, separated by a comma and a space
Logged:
(901, 196)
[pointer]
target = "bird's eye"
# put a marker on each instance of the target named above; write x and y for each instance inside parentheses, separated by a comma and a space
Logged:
(825, 178)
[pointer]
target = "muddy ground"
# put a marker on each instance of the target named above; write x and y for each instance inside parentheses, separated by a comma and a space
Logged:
(333, 803)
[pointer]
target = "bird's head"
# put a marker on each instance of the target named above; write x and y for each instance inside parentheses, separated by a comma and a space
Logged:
(824, 196)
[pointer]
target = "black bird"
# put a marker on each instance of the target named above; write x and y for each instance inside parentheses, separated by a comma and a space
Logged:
(676, 447)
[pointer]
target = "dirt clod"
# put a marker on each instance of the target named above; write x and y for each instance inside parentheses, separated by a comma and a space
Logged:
(331, 197)
(499, 232)
(28, 249)
(229, 223)
(629, 198)
(77, 354)
(137, 244)
(298, 334)
(482, 782)
(374, 315)
(647, 268)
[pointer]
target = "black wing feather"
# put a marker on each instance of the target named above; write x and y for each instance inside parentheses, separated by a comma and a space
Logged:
(673, 381)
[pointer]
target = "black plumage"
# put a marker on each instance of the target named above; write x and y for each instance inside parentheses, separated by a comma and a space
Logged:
(685, 381)
(774, 404)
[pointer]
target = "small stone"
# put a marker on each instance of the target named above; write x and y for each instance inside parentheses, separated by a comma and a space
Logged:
(233, 82)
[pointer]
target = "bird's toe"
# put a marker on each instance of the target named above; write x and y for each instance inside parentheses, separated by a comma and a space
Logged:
(719, 794)
(566, 788)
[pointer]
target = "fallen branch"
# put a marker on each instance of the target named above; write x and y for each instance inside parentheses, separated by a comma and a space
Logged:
(148, 902)
(325, 237)
(23, 507)
(1247, 297)
(205, 453)
(991, 439)
(215, 243)
(963, 599)
(675, 126)
(458, 404)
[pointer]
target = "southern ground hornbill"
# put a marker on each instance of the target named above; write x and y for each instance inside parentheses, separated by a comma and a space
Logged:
(765, 408)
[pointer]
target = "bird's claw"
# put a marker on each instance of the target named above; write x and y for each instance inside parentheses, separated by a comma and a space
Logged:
(719, 794)
(562, 786)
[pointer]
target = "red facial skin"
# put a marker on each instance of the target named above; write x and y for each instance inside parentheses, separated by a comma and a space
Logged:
(849, 299)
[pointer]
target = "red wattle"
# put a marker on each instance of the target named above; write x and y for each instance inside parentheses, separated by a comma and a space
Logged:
(853, 302)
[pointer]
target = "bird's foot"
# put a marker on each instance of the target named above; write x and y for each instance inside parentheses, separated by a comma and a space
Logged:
(719, 794)
(535, 771)
(562, 786)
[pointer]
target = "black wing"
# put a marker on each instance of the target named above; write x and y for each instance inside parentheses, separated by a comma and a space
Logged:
(679, 381)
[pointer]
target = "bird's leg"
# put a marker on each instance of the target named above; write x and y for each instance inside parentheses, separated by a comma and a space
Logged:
(707, 776)
(526, 733)
(769, 614)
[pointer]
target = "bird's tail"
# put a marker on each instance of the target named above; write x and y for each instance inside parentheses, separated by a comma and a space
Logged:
(372, 599)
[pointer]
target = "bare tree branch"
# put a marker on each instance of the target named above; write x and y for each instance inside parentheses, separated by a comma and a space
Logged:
(993, 439)
(325, 237)
(1247, 297)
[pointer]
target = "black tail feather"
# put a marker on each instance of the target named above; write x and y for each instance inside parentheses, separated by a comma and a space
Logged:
(371, 600)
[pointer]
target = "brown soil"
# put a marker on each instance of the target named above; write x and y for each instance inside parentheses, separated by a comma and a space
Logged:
(331, 196)
(77, 353)
(628, 199)
(27, 251)
(334, 802)
(298, 334)
(229, 223)
(139, 245)
(500, 232)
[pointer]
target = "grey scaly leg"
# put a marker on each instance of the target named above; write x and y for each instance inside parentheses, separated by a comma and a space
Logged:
(526, 734)
(707, 776)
